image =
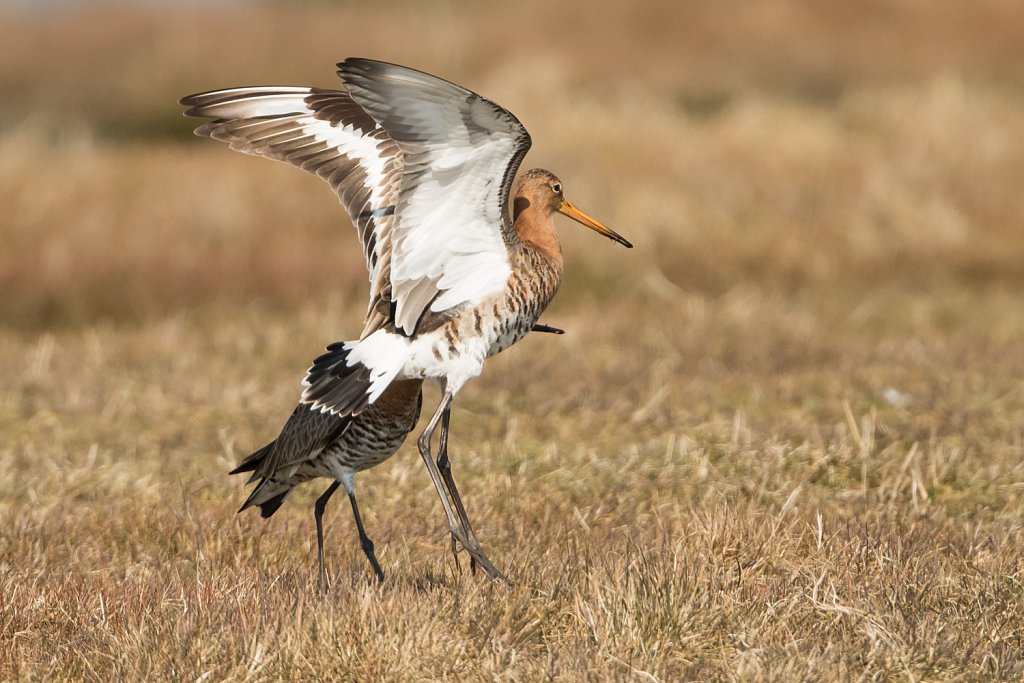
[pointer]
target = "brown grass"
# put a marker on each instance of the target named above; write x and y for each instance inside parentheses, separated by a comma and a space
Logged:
(781, 440)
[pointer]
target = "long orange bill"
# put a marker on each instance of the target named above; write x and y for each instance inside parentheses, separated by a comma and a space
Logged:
(572, 212)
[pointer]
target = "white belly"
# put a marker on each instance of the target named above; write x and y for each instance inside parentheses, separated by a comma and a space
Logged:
(434, 356)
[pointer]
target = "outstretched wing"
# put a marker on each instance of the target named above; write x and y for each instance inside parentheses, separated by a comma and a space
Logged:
(461, 152)
(327, 133)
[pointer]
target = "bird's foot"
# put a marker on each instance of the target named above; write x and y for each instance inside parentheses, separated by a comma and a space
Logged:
(456, 549)
(477, 557)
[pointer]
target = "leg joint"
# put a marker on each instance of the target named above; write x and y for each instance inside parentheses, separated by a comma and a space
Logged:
(424, 442)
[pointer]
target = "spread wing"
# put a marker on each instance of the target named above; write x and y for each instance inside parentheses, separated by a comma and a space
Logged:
(422, 166)
(461, 152)
(324, 132)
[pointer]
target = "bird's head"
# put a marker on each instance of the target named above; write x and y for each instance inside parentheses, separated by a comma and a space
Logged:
(542, 190)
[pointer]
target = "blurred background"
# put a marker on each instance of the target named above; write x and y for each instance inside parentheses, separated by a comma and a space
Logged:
(807, 183)
(788, 144)
(825, 199)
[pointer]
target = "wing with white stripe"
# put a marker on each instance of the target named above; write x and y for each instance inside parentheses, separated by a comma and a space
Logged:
(324, 132)
(461, 152)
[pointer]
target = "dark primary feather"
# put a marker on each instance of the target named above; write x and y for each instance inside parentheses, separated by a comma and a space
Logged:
(304, 436)
(305, 432)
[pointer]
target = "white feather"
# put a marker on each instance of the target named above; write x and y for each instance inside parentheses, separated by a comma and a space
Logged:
(253, 105)
(384, 354)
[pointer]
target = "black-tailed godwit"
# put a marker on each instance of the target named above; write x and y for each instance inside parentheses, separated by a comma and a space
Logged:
(424, 169)
(317, 444)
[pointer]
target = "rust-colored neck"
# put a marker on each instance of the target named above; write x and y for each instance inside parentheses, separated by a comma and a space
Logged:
(536, 230)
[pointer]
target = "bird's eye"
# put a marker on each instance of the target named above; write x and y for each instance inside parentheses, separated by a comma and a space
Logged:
(557, 188)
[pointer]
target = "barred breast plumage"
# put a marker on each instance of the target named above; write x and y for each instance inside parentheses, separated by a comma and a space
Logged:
(532, 286)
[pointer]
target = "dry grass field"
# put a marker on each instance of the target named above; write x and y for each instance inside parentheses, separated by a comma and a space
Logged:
(782, 439)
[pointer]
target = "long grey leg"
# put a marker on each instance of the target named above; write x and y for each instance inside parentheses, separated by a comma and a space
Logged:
(364, 540)
(318, 513)
(454, 525)
(446, 473)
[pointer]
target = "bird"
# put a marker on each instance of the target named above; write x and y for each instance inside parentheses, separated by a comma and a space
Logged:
(425, 170)
(315, 443)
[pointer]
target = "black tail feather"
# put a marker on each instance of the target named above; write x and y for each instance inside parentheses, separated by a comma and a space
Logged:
(269, 507)
(333, 384)
(251, 463)
(253, 460)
